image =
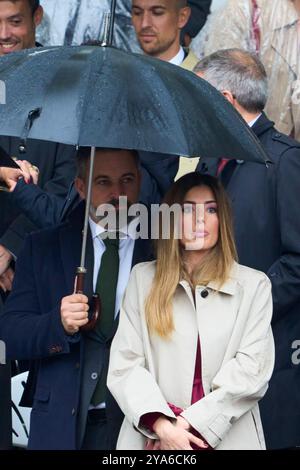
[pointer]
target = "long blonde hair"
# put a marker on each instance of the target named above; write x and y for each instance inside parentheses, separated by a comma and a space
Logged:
(170, 267)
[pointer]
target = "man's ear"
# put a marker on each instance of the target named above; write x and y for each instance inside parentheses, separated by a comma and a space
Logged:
(184, 15)
(38, 15)
(229, 96)
(80, 187)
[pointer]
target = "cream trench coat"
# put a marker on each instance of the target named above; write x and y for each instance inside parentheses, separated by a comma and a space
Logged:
(237, 352)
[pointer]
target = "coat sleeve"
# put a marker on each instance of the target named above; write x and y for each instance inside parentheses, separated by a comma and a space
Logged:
(41, 207)
(285, 272)
(129, 381)
(241, 381)
(27, 331)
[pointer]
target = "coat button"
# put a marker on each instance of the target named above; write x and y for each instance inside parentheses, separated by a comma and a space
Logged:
(73, 411)
(94, 376)
(204, 293)
(77, 365)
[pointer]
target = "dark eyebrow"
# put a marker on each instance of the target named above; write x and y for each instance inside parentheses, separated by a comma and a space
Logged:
(194, 202)
(101, 176)
(109, 177)
(153, 6)
(16, 17)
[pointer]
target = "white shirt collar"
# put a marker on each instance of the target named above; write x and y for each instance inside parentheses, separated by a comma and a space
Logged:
(251, 123)
(179, 58)
(129, 231)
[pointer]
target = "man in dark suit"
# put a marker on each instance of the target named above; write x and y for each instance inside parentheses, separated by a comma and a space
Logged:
(267, 227)
(43, 317)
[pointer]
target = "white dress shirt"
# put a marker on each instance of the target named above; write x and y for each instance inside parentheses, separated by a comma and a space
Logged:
(126, 247)
(251, 123)
(179, 58)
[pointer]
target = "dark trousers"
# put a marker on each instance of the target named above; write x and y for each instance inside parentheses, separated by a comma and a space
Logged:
(96, 431)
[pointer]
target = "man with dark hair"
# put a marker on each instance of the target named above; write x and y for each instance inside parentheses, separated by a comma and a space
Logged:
(18, 22)
(158, 24)
(267, 226)
(72, 408)
(74, 22)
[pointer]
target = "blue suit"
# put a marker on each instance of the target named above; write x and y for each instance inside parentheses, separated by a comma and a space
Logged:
(32, 329)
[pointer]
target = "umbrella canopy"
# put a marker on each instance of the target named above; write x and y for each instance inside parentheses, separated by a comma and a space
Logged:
(104, 97)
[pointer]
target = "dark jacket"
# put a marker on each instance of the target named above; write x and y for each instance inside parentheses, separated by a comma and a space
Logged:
(32, 329)
(56, 163)
(267, 232)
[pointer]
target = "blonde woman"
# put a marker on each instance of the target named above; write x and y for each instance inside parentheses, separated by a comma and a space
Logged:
(194, 351)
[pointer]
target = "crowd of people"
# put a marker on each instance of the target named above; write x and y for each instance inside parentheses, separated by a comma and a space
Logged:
(193, 346)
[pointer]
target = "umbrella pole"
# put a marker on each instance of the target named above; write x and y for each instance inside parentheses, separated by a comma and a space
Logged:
(81, 270)
(112, 21)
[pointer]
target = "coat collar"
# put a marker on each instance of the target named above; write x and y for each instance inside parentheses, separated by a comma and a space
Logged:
(228, 287)
(262, 125)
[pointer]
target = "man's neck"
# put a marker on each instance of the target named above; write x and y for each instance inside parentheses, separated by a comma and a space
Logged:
(248, 117)
(169, 54)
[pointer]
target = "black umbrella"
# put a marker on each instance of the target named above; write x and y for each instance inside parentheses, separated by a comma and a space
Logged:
(103, 97)
(96, 96)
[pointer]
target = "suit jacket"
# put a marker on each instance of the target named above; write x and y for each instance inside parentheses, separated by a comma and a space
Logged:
(267, 233)
(147, 372)
(32, 329)
(56, 163)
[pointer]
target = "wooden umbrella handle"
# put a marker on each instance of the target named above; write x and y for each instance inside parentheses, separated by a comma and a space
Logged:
(94, 311)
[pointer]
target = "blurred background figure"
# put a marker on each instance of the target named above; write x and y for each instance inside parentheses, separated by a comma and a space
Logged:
(271, 29)
(79, 21)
